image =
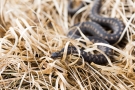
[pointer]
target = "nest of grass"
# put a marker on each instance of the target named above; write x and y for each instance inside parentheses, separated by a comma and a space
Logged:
(32, 29)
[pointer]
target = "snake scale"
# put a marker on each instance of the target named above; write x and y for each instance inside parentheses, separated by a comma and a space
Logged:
(96, 34)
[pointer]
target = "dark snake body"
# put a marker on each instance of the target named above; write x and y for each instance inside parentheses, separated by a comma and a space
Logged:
(99, 35)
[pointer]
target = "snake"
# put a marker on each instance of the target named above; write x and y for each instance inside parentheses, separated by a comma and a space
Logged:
(95, 32)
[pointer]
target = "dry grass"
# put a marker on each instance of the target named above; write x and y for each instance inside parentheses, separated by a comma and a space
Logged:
(32, 29)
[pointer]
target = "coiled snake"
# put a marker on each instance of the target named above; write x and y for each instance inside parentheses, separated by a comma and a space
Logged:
(99, 34)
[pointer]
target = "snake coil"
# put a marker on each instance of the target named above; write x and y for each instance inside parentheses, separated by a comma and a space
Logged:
(99, 34)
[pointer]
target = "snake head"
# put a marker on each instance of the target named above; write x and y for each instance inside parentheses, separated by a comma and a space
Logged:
(70, 50)
(56, 54)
